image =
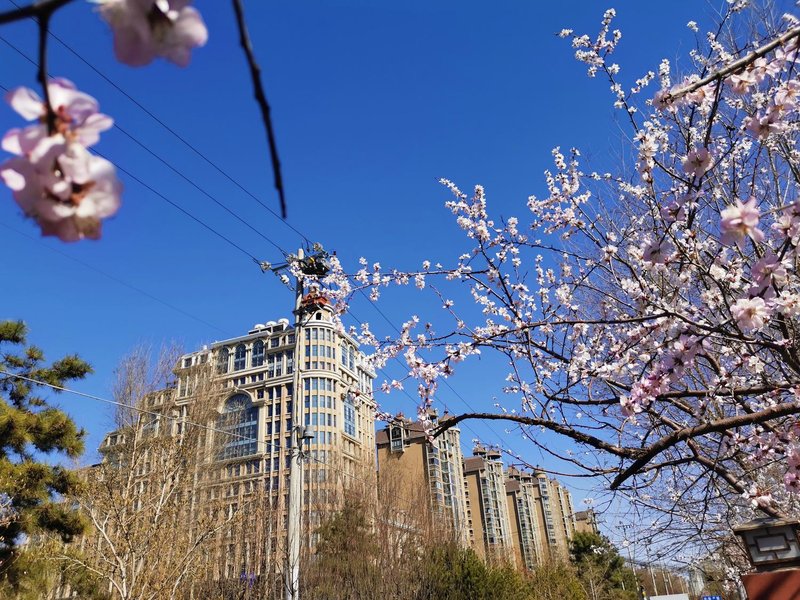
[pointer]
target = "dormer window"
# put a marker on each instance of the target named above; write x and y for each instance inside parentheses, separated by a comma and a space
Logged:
(396, 438)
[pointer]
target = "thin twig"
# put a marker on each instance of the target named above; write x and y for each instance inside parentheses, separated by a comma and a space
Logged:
(36, 9)
(736, 65)
(44, 21)
(261, 99)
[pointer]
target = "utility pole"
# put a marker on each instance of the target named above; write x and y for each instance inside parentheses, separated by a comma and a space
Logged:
(300, 435)
(650, 568)
(629, 546)
(312, 265)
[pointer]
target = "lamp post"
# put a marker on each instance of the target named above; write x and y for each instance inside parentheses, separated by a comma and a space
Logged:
(300, 435)
(773, 547)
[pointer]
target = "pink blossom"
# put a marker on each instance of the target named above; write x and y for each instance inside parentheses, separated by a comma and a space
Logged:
(662, 100)
(147, 29)
(750, 313)
(787, 96)
(658, 252)
(67, 196)
(742, 82)
(767, 269)
(76, 119)
(792, 481)
(761, 126)
(739, 221)
(697, 162)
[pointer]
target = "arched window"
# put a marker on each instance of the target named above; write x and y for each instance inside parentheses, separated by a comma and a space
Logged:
(240, 418)
(240, 358)
(258, 354)
(222, 361)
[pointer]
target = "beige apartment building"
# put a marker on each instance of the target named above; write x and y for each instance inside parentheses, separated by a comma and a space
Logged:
(586, 521)
(408, 462)
(504, 515)
(274, 377)
(526, 528)
(490, 527)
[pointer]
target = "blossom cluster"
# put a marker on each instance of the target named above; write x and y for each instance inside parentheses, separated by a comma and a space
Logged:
(54, 178)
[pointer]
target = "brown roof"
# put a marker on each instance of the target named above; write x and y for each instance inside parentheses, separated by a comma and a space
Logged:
(413, 431)
(512, 485)
(473, 464)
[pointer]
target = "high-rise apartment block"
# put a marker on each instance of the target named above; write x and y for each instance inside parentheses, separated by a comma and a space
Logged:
(508, 514)
(487, 510)
(265, 383)
(413, 462)
(524, 509)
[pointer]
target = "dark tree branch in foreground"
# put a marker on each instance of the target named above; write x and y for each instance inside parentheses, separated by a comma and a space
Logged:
(43, 20)
(563, 429)
(736, 66)
(261, 99)
(688, 433)
(35, 10)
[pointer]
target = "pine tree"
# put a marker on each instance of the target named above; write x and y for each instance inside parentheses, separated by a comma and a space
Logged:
(601, 567)
(31, 433)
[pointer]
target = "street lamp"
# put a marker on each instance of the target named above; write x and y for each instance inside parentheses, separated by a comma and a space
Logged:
(301, 435)
(773, 547)
(771, 543)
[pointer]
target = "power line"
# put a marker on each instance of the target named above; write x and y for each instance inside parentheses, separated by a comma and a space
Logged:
(219, 203)
(175, 418)
(118, 280)
(181, 209)
(166, 163)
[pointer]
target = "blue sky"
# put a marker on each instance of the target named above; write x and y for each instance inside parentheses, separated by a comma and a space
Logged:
(372, 103)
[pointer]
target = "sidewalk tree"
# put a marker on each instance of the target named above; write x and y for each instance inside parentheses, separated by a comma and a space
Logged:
(33, 432)
(599, 564)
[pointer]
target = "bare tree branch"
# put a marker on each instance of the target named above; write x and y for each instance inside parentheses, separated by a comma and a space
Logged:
(736, 65)
(689, 433)
(563, 429)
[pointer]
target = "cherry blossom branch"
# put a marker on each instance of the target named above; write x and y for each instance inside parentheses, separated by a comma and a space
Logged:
(688, 433)
(735, 66)
(37, 9)
(565, 430)
(261, 99)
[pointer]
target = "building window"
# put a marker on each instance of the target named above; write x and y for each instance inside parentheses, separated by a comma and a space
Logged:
(396, 436)
(222, 361)
(258, 353)
(239, 418)
(349, 416)
(240, 358)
